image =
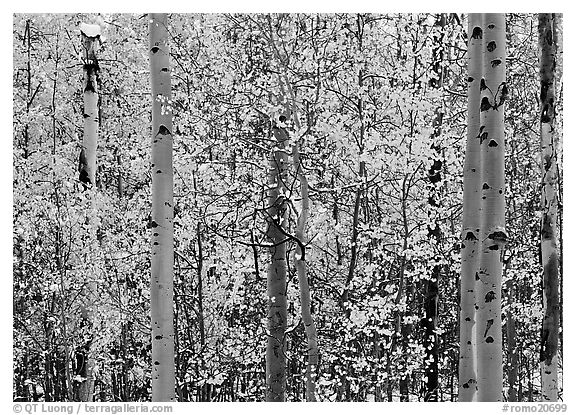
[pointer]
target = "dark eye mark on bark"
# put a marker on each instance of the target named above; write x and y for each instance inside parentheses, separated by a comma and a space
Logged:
(495, 62)
(154, 49)
(490, 295)
(477, 33)
(485, 104)
(163, 130)
(492, 143)
(470, 237)
(491, 26)
(491, 46)
(498, 236)
(488, 325)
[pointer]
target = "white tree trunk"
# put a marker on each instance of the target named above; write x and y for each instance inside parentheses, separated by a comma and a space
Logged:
(301, 266)
(90, 43)
(471, 215)
(87, 169)
(550, 323)
(161, 288)
(493, 234)
(276, 279)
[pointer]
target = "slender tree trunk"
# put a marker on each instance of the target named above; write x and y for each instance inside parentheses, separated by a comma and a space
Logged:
(549, 192)
(471, 215)
(276, 278)
(119, 179)
(512, 351)
(27, 37)
(162, 263)
(434, 231)
(403, 328)
(288, 96)
(87, 169)
(276, 282)
(200, 289)
(87, 163)
(489, 284)
(301, 268)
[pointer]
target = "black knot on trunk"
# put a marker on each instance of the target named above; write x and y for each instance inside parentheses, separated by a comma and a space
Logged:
(485, 104)
(498, 236)
(470, 236)
(163, 130)
(483, 85)
(490, 296)
(477, 33)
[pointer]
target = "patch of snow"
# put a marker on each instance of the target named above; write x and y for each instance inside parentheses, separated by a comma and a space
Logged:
(90, 30)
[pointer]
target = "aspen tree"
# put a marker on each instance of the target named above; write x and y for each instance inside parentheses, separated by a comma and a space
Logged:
(471, 214)
(87, 169)
(301, 268)
(288, 96)
(276, 278)
(493, 92)
(87, 163)
(162, 263)
(434, 230)
(549, 201)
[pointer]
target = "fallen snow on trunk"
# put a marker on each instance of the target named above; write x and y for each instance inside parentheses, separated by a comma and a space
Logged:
(90, 30)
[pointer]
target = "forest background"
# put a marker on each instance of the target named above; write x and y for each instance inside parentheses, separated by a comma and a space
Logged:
(232, 286)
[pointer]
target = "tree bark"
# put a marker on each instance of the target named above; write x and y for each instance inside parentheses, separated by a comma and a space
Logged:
(276, 281)
(301, 268)
(87, 162)
(471, 215)
(288, 97)
(434, 231)
(512, 350)
(549, 201)
(162, 262)
(87, 170)
(493, 235)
